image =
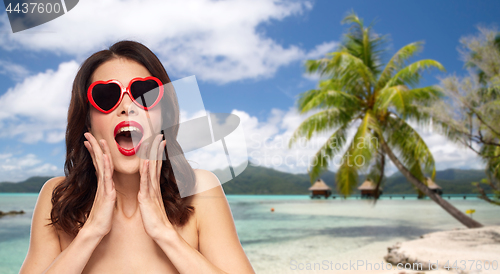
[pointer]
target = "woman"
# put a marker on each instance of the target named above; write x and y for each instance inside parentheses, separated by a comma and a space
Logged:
(115, 212)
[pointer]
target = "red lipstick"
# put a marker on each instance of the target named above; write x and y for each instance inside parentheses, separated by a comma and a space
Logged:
(131, 125)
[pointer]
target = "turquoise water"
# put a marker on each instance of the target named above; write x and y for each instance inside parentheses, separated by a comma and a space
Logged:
(350, 224)
(15, 230)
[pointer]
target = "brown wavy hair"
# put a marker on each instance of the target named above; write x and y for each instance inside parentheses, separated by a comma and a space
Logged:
(73, 198)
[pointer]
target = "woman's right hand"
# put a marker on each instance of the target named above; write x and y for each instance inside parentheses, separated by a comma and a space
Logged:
(101, 214)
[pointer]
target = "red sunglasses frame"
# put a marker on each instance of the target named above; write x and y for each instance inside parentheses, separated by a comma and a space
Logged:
(123, 91)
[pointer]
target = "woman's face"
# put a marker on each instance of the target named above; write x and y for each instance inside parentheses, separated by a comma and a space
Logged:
(104, 126)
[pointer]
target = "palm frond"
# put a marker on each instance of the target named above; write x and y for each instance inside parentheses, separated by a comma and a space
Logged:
(327, 97)
(407, 101)
(397, 61)
(358, 154)
(320, 122)
(345, 65)
(328, 151)
(362, 42)
(395, 96)
(346, 179)
(411, 74)
(413, 150)
(377, 167)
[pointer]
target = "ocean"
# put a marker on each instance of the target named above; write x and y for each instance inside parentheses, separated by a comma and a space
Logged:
(299, 230)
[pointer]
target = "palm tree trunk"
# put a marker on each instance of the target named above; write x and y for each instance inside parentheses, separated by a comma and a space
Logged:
(379, 181)
(453, 211)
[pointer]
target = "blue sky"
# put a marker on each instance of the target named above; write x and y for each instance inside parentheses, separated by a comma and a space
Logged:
(246, 55)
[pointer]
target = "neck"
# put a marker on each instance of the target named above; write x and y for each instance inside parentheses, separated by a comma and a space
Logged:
(127, 188)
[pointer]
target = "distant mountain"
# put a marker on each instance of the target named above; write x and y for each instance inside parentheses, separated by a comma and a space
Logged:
(452, 181)
(263, 180)
(31, 185)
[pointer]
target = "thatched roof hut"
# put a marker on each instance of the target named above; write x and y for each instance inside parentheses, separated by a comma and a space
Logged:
(433, 186)
(319, 185)
(367, 189)
(367, 185)
(319, 188)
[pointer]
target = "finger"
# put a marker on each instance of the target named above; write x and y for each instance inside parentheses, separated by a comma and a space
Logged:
(151, 184)
(153, 163)
(161, 150)
(97, 150)
(91, 151)
(92, 155)
(142, 182)
(93, 141)
(154, 148)
(143, 169)
(107, 151)
(94, 162)
(142, 153)
(148, 144)
(107, 174)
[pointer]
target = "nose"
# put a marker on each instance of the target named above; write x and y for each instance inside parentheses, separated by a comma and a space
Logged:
(127, 107)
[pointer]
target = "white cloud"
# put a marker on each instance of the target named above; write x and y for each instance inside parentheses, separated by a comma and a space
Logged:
(36, 108)
(14, 71)
(18, 168)
(267, 143)
(447, 154)
(215, 40)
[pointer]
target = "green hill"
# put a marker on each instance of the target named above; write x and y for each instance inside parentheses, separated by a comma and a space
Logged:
(31, 185)
(452, 181)
(263, 180)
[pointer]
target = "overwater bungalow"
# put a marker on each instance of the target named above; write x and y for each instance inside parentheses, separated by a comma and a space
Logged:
(367, 189)
(319, 188)
(434, 187)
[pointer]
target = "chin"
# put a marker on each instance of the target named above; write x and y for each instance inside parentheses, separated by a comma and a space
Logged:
(127, 166)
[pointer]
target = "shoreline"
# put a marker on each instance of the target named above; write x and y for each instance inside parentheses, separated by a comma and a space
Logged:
(321, 255)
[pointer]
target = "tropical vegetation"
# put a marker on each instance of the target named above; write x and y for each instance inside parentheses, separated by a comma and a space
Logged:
(380, 102)
(471, 112)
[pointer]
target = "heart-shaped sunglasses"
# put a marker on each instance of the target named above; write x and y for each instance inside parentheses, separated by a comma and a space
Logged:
(105, 96)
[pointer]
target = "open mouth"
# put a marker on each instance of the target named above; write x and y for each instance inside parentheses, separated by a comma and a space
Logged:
(128, 137)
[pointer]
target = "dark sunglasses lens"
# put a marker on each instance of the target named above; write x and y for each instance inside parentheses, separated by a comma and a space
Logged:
(106, 95)
(145, 92)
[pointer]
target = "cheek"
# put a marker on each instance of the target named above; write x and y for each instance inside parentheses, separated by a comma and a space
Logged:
(98, 123)
(154, 121)
(157, 120)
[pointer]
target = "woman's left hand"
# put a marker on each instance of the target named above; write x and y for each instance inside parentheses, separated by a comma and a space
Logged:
(154, 217)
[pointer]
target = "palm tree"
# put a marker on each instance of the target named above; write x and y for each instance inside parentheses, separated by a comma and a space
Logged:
(378, 102)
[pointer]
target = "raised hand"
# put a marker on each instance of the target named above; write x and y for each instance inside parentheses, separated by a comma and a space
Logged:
(153, 212)
(101, 214)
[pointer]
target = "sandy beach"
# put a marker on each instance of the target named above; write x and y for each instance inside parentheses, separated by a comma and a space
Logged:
(472, 247)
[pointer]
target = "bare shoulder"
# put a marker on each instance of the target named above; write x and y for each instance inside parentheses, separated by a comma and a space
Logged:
(49, 186)
(210, 198)
(44, 202)
(209, 183)
(218, 239)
